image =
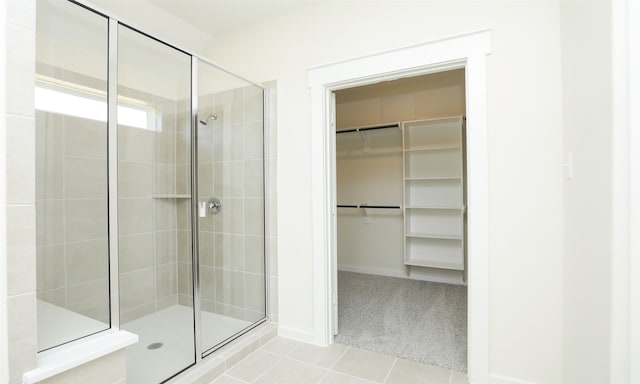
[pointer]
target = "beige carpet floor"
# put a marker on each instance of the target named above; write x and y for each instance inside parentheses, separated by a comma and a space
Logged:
(416, 320)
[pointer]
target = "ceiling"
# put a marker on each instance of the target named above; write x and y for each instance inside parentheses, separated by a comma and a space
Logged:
(220, 17)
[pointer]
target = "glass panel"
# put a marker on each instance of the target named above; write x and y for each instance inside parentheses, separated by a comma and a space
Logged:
(156, 294)
(230, 170)
(71, 173)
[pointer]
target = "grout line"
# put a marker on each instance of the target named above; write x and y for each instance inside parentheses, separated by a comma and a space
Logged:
(355, 377)
(268, 369)
(323, 375)
(344, 373)
(232, 377)
(339, 357)
(395, 360)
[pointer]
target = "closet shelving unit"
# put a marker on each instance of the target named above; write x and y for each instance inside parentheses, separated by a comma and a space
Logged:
(434, 193)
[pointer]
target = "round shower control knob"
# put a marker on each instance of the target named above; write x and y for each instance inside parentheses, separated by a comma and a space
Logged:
(215, 206)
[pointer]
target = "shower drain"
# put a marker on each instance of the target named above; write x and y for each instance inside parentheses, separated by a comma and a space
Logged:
(154, 345)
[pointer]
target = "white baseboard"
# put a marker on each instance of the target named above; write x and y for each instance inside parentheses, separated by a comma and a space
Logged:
(424, 274)
(298, 335)
(497, 379)
(371, 271)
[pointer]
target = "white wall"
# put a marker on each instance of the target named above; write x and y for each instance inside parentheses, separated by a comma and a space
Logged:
(586, 72)
(633, 62)
(4, 357)
(596, 199)
(157, 22)
(525, 160)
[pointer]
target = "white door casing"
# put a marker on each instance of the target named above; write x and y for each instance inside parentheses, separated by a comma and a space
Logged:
(467, 51)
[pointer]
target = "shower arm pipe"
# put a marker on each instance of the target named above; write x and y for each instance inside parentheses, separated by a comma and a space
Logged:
(212, 116)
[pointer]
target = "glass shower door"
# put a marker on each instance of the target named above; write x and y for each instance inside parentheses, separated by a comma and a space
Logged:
(154, 125)
(231, 215)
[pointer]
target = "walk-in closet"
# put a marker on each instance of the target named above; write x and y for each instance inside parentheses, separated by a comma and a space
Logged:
(401, 228)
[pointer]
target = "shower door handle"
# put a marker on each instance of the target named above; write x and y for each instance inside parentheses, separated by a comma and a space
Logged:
(215, 206)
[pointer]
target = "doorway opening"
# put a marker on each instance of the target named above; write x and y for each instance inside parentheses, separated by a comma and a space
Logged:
(400, 222)
(466, 51)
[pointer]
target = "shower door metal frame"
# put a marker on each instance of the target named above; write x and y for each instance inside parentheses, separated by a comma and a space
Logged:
(112, 128)
(195, 226)
(195, 230)
(112, 172)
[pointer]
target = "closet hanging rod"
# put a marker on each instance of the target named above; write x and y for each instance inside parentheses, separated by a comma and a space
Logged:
(368, 206)
(396, 125)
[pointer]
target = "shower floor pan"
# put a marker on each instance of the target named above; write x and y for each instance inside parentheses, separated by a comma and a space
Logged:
(166, 344)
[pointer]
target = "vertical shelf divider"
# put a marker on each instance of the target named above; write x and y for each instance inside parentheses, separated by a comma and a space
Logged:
(434, 193)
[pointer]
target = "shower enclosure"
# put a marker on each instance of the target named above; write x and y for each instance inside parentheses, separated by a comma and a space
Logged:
(150, 193)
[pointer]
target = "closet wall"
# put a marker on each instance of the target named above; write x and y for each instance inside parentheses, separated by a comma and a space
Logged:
(369, 168)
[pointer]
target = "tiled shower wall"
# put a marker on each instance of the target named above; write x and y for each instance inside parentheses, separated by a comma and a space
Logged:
(230, 153)
(152, 185)
(20, 188)
(71, 214)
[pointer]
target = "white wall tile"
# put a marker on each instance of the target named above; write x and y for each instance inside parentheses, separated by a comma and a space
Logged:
(207, 248)
(254, 292)
(136, 288)
(229, 287)
(21, 13)
(49, 180)
(21, 267)
(254, 216)
(231, 217)
(164, 214)
(135, 145)
(85, 178)
(20, 67)
(85, 138)
(135, 179)
(228, 179)
(166, 280)
(21, 226)
(49, 134)
(136, 251)
(164, 147)
(86, 261)
(185, 286)
(20, 154)
(49, 222)
(51, 267)
(207, 283)
(253, 178)
(135, 216)
(21, 328)
(184, 246)
(165, 247)
(90, 299)
(85, 219)
(229, 251)
(253, 140)
(254, 254)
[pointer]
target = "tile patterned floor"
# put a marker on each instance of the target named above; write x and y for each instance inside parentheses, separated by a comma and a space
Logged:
(285, 361)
